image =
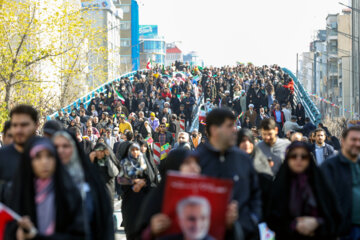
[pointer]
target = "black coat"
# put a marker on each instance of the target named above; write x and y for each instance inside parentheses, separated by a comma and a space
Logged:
(337, 171)
(102, 224)
(300, 114)
(278, 216)
(307, 128)
(236, 165)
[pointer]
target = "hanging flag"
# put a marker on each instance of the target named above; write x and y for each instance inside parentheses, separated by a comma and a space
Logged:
(120, 97)
(149, 64)
(202, 116)
(6, 215)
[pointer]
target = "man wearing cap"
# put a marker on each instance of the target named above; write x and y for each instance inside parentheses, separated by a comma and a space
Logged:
(50, 127)
(154, 122)
(251, 114)
(291, 125)
(124, 125)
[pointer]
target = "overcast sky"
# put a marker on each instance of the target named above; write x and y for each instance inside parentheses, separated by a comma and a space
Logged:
(226, 31)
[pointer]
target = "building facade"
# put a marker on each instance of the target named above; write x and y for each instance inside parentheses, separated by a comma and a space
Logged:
(129, 38)
(152, 46)
(104, 57)
(332, 71)
(346, 96)
(173, 54)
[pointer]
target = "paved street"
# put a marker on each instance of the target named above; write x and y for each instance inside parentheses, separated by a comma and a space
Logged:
(120, 234)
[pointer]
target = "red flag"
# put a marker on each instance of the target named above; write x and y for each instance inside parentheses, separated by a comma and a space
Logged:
(6, 215)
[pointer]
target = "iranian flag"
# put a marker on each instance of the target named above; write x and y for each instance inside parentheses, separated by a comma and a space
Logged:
(149, 64)
(6, 215)
(122, 99)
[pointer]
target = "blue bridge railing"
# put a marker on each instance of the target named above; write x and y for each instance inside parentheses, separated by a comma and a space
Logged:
(87, 98)
(302, 96)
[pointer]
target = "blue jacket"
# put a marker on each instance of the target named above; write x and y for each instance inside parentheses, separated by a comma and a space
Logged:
(337, 171)
(236, 165)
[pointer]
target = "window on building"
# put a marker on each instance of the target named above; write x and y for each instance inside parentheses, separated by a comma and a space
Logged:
(125, 59)
(125, 25)
(125, 43)
(125, 8)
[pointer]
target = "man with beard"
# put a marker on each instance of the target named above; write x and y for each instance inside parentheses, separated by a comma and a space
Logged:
(24, 120)
(221, 159)
(343, 172)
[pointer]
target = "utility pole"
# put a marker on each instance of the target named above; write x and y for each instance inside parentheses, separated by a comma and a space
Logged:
(297, 65)
(315, 55)
(355, 54)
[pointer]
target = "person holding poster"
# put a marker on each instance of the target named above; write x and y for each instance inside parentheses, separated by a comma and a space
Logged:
(221, 159)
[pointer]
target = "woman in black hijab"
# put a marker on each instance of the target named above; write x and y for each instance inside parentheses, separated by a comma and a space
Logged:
(302, 205)
(45, 194)
(135, 185)
(300, 114)
(98, 211)
(152, 170)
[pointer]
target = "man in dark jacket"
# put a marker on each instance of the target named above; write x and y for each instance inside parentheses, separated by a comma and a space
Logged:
(188, 102)
(163, 136)
(343, 173)
(321, 150)
(220, 158)
(308, 127)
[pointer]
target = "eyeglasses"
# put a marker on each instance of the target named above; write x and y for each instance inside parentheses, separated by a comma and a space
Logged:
(162, 126)
(301, 156)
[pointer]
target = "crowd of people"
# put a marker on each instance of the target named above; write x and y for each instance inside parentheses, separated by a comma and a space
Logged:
(286, 172)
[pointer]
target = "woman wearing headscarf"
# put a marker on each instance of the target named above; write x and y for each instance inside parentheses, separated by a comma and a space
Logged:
(135, 184)
(246, 142)
(302, 205)
(106, 163)
(300, 114)
(146, 130)
(45, 195)
(152, 170)
(98, 211)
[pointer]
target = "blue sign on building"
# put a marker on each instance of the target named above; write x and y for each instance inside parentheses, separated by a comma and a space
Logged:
(148, 31)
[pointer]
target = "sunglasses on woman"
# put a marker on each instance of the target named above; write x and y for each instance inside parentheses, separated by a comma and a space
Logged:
(301, 156)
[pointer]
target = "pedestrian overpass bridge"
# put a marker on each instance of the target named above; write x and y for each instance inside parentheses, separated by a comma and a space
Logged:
(300, 95)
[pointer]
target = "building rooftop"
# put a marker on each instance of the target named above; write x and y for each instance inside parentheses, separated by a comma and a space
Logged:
(173, 50)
